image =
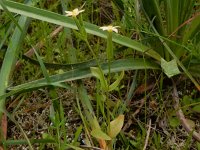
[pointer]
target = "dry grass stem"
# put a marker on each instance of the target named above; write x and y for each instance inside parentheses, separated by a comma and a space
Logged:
(181, 116)
(148, 134)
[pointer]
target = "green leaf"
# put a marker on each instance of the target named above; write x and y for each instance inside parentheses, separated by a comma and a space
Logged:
(3, 5)
(98, 73)
(74, 65)
(114, 85)
(47, 136)
(198, 145)
(170, 68)
(174, 122)
(193, 29)
(172, 14)
(95, 123)
(80, 73)
(74, 147)
(11, 56)
(99, 134)
(116, 126)
(82, 92)
(22, 141)
(196, 108)
(77, 133)
(44, 70)
(186, 100)
(152, 9)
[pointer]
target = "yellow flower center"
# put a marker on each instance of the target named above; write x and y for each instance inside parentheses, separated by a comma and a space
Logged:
(110, 28)
(75, 12)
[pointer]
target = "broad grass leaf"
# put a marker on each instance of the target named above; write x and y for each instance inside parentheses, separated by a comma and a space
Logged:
(83, 72)
(170, 68)
(99, 134)
(116, 126)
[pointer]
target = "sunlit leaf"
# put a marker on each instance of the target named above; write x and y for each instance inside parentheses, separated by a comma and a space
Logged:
(116, 126)
(99, 134)
(170, 68)
(47, 136)
(190, 123)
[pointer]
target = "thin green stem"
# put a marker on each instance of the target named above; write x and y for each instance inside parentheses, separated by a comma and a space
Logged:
(109, 51)
(84, 36)
(107, 91)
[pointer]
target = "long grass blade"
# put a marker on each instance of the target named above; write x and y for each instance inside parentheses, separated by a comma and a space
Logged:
(116, 66)
(11, 56)
(153, 11)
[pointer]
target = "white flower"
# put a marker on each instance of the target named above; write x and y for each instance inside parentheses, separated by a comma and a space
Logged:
(74, 12)
(110, 28)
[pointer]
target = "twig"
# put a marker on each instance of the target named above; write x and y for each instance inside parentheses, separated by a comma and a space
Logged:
(181, 116)
(133, 115)
(148, 134)
(138, 110)
(183, 24)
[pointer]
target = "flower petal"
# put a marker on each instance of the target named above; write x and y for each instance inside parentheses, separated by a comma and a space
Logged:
(115, 30)
(110, 28)
(80, 11)
(74, 12)
(104, 28)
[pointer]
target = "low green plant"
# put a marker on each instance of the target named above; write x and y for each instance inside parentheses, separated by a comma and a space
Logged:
(165, 45)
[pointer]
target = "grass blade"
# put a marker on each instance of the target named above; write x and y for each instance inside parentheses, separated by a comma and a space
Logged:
(116, 66)
(152, 9)
(10, 56)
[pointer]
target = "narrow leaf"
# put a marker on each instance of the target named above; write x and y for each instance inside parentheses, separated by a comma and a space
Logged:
(44, 70)
(98, 73)
(74, 147)
(80, 73)
(10, 57)
(114, 85)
